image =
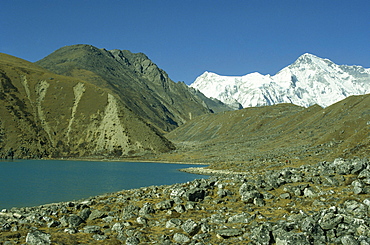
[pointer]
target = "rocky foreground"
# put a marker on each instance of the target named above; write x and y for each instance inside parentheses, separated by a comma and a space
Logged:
(326, 203)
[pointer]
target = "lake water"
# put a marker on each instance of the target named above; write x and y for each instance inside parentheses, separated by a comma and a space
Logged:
(36, 182)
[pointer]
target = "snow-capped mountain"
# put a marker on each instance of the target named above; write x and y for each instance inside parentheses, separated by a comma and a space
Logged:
(309, 80)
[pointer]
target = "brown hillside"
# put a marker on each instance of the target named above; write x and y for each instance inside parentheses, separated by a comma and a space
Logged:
(139, 83)
(47, 115)
(276, 134)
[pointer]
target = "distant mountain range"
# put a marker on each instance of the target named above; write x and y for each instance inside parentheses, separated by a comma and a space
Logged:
(309, 80)
(82, 101)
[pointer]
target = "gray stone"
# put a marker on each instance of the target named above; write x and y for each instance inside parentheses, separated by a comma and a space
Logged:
(6, 227)
(190, 227)
(330, 221)
(195, 195)
(74, 220)
(258, 201)
(164, 205)
(173, 223)
(96, 214)
(357, 209)
(130, 211)
(181, 238)
(249, 196)
(218, 219)
(132, 241)
(358, 165)
(99, 237)
(70, 230)
(94, 229)
(223, 193)
(229, 232)
(261, 235)
(239, 218)
(117, 227)
(146, 209)
(142, 221)
(285, 195)
(190, 206)
(201, 237)
(349, 240)
(178, 192)
(53, 223)
(85, 213)
(38, 238)
(364, 174)
(309, 192)
(179, 208)
(291, 238)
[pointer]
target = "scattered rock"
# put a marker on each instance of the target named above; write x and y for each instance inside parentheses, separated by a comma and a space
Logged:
(325, 203)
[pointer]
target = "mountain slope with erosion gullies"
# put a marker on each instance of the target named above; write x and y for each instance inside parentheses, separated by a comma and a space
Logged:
(43, 114)
(309, 80)
(276, 134)
(135, 79)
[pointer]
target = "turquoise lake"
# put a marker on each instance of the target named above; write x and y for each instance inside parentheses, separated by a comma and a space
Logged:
(25, 183)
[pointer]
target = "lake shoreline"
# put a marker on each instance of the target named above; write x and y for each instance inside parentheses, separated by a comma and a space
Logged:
(27, 183)
(275, 205)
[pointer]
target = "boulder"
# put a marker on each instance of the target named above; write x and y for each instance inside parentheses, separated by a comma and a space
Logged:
(38, 238)
(132, 241)
(195, 194)
(239, 218)
(181, 238)
(190, 227)
(96, 214)
(349, 240)
(146, 209)
(229, 232)
(355, 208)
(85, 213)
(92, 229)
(173, 223)
(74, 220)
(249, 192)
(261, 235)
(330, 220)
(164, 205)
(292, 238)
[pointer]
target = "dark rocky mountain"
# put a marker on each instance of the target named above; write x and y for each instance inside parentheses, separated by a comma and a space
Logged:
(135, 79)
(43, 114)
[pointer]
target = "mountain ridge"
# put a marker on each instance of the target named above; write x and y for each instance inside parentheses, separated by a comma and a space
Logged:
(134, 78)
(44, 115)
(309, 80)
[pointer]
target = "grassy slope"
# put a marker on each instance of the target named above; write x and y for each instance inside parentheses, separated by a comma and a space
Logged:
(140, 84)
(37, 119)
(276, 134)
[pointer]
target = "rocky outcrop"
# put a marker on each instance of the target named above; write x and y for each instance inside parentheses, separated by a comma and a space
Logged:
(310, 204)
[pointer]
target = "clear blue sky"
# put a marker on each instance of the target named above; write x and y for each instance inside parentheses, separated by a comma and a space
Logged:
(186, 37)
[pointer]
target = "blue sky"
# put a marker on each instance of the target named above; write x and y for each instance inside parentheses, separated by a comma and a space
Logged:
(186, 38)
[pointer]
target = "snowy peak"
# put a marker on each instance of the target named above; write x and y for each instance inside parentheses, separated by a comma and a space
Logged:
(309, 80)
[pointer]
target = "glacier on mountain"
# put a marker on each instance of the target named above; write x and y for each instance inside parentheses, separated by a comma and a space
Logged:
(309, 80)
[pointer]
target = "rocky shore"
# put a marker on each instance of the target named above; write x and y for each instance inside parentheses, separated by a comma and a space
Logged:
(325, 203)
